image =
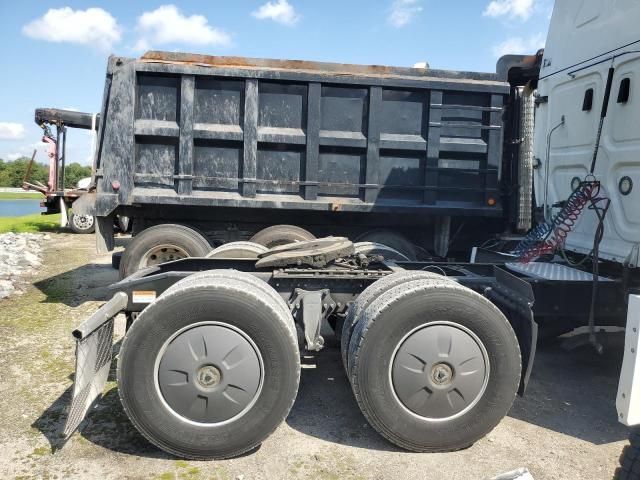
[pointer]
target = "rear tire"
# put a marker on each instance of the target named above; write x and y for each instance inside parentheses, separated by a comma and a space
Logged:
(162, 243)
(82, 223)
(391, 239)
(421, 333)
(180, 421)
(281, 235)
(371, 293)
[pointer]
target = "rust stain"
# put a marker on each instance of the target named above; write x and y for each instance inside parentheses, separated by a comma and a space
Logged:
(321, 68)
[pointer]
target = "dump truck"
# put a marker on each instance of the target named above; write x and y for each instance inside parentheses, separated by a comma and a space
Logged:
(435, 347)
(274, 151)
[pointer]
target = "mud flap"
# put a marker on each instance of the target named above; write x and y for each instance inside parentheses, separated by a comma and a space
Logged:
(94, 342)
(514, 297)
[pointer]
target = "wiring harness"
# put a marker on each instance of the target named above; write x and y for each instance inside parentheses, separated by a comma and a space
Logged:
(548, 237)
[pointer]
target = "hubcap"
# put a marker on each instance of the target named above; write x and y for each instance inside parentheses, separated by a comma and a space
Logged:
(208, 376)
(439, 371)
(83, 222)
(441, 374)
(209, 373)
(162, 254)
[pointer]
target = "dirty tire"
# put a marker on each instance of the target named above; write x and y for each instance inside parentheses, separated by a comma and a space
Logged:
(222, 275)
(235, 250)
(281, 235)
(231, 304)
(391, 322)
(116, 258)
(371, 293)
(82, 223)
(391, 239)
(192, 243)
(629, 468)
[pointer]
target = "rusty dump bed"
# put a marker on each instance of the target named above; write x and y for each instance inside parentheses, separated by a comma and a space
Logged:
(252, 133)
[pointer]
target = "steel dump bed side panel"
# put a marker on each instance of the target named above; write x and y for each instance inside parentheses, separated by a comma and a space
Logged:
(238, 132)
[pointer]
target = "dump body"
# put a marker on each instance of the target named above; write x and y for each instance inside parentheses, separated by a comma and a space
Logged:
(194, 130)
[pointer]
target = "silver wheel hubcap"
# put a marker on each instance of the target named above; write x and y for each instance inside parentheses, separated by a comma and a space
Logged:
(83, 222)
(162, 254)
(439, 371)
(209, 373)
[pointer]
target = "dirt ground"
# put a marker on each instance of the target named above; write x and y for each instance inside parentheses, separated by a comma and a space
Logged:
(564, 428)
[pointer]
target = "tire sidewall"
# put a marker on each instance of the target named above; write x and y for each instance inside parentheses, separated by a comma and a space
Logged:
(369, 295)
(384, 335)
(278, 235)
(136, 372)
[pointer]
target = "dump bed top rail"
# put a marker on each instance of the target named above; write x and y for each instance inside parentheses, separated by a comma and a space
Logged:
(327, 68)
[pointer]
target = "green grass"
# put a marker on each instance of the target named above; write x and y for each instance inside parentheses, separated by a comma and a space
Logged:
(21, 196)
(30, 223)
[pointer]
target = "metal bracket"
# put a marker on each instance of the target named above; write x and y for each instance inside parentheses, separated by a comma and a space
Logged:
(310, 308)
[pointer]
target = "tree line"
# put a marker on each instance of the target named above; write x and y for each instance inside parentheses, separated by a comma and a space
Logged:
(12, 173)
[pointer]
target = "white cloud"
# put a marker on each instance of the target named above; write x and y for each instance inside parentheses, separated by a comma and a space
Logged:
(167, 25)
(27, 151)
(280, 11)
(11, 131)
(511, 8)
(519, 45)
(93, 26)
(421, 65)
(403, 12)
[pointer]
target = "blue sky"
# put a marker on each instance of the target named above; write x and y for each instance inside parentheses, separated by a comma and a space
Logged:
(55, 53)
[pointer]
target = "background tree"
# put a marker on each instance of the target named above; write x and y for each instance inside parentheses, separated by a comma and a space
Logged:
(12, 173)
(74, 172)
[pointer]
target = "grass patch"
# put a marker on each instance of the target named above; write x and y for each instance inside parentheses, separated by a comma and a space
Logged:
(30, 223)
(21, 196)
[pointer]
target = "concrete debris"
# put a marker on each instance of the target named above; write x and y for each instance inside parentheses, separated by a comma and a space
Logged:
(518, 474)
(20, 257)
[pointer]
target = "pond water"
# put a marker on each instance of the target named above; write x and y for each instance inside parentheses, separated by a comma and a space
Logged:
(17, 208)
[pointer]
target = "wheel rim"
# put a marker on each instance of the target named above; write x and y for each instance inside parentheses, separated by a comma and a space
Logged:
(209, 374)
(83, 222)
(161, 254)
(439, 371)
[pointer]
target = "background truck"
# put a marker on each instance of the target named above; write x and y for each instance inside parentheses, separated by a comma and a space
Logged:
(59, 198)
(435, 349)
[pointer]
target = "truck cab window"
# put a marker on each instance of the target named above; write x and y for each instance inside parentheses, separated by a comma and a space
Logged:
(623, 92)
(587, 102)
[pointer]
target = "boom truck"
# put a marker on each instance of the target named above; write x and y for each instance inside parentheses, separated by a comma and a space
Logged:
(437, 335)
(58, 198)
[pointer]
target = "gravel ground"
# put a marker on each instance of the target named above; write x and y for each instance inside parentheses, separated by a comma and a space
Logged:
(19, 258)
(564, 428)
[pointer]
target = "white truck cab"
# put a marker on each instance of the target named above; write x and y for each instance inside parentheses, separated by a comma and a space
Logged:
(589, 40)
(587, 127)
